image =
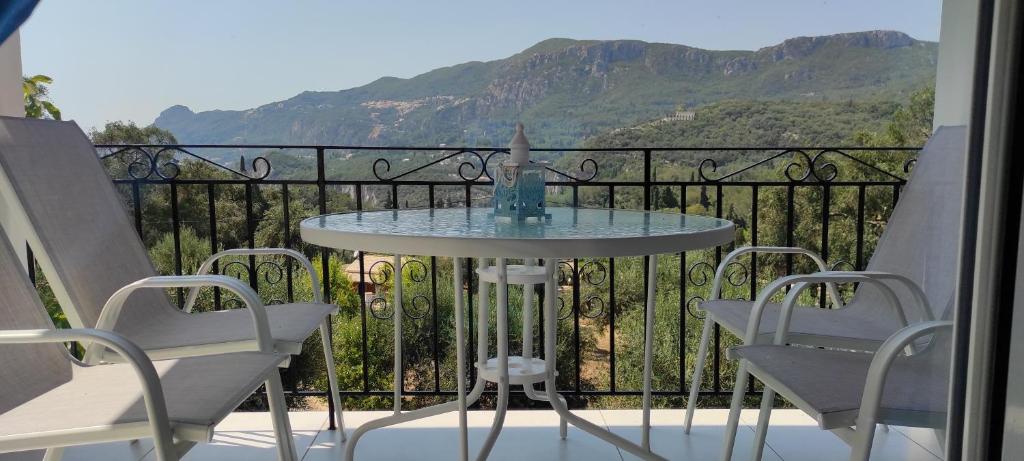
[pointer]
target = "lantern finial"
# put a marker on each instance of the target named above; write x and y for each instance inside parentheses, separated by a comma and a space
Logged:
(519, 147)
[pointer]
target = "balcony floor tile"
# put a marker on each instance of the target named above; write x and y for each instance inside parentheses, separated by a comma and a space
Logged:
(531, 435)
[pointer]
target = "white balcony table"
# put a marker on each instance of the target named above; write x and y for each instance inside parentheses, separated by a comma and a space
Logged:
(572, 233)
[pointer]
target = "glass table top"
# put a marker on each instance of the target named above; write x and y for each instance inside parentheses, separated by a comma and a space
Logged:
(471, 227)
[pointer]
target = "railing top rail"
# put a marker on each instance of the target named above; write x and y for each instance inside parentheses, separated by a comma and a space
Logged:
(465, 148)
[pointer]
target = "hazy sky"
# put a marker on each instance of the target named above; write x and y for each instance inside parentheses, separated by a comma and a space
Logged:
(128, 60)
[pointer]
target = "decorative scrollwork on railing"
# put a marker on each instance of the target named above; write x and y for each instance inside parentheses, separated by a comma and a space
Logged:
(803, 167)
(800, 168)
(702, 274)
(478, 167)
(476, 171)
(826, 171)
(593, 273)
(909, 165)
(842, 265)
(565, 273)
(593, 307)
(736, 273)
(587, 168)
(564, 311)
(269, 272)
(693, 305)
(381, 273)
(698, 273)
(380, 308)
(145, 162)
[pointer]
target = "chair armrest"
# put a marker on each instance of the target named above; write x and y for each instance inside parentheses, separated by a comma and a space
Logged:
(803, 281)
(207, 266)
(882, 362)
(913, 287)
(152, 391)
(716, 286)
(112, 309)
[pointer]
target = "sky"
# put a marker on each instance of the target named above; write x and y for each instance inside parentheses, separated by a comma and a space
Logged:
(129, 60)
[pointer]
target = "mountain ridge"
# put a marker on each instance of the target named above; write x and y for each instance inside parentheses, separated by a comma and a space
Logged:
(567, 89)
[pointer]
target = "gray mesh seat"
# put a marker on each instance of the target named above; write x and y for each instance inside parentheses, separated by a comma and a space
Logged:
(851, 392)
(830, 384)
(57, 195)
(50, 400)
(811, 326)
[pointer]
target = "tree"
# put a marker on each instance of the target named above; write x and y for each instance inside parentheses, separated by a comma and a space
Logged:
(911, 125)
(37, 97)
(704, 200)
(119, 132)
(666, 200)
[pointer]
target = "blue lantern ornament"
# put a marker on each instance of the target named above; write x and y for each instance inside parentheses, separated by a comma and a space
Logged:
(519, 185)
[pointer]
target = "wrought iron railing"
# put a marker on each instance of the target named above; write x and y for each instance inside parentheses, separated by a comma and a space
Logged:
(833, 199)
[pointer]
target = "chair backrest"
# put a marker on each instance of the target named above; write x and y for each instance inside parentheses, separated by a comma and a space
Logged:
(52, 179)
(26, 370)
(921, 240)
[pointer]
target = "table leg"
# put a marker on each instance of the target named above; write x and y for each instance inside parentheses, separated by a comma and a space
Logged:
(502, 339)
(482, 321)
(460, 358)
(528, 389)
(397, 317)
(557, 402)
(456, 405)
(652, 283)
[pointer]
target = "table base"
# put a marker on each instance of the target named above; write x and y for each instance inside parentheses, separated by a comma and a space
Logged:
(496, 369)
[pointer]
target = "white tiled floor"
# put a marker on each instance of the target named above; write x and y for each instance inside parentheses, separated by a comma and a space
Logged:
(529, 435)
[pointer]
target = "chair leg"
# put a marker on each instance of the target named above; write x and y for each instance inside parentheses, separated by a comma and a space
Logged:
(863, 438)
(702, 351)
(332, 374)
(54, 454)
(279, 416)
(734, 411)
(763, 418)
(181, 447)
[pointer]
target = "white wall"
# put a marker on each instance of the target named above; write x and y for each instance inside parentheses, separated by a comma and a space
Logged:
(11, 102)
(953, 80)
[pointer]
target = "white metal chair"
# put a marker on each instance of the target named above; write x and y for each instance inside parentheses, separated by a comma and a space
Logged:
(909, 279)
(55, 192)
(904, 382)
(50, 400)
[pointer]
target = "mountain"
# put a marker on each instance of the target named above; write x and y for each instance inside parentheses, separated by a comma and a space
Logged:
(565, 90)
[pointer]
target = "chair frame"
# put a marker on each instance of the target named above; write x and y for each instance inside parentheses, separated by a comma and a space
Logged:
(828, 277)
(859, 438)
(18, 225)
(158, 425)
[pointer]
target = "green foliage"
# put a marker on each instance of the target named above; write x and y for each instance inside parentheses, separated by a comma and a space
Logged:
(37, 97)
(911, 125)
(761, 123)
(194, 250)
(119, 132)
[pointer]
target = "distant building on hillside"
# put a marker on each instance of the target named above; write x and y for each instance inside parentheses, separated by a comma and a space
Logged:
(681, 115)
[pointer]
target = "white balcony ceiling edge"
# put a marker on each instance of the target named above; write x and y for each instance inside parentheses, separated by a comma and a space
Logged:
(11, 102)
(955, 74)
